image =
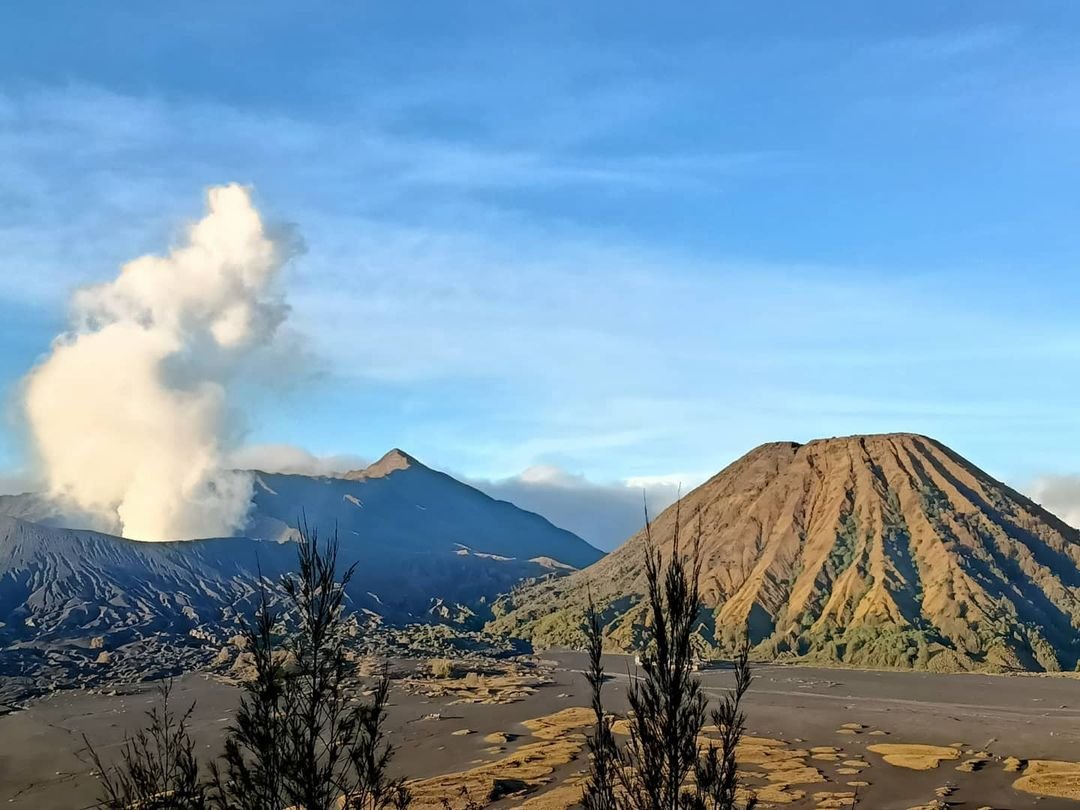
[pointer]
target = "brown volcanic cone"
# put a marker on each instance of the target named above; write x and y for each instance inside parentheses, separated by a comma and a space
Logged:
(886, 550)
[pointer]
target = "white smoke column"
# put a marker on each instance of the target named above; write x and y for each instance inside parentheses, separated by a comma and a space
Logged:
(128, 411)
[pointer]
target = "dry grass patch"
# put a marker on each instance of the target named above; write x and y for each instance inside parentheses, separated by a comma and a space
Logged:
(1012, 764)
(914, 757)
(554, 726)
(529, 767)
(765, 752)
(781, 767)
(441, 668)
(523, 772)
(971, 765)
(562, 797)
(766, 741)
(833, 800)
(798, 775)
(1047, 777)
(447, 679)
(775, 794)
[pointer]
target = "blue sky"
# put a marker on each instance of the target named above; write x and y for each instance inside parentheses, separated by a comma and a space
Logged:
(599, 241)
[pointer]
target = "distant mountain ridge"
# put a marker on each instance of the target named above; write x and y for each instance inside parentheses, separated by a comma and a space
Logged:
(428, 548)
(885, 550)
(397, 500)
(405, 506)
(60, 583)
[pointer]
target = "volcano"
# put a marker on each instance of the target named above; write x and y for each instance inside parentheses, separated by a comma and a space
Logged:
(428, 549)
(879, 551)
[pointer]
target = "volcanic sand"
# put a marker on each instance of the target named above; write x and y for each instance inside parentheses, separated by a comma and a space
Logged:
(794, 755)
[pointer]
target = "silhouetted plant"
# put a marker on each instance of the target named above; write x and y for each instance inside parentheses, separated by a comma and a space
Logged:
(300, 737)
(717, 775)
(668, 707)
(599, 792)
(319, 723)
(331, 745)
(253, 775)
(158, 769)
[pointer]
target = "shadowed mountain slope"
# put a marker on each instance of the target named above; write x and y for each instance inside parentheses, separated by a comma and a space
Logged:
(397, 505)
(885, 550)
(427, 547)
(59, 583)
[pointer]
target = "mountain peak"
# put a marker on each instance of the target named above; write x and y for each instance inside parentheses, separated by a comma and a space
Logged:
(393, 461)
(852, 440)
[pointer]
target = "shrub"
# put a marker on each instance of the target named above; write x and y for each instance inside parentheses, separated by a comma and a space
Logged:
(668, 707)
(158, 769)
(599, 792)
(441, 668)
(299, 738)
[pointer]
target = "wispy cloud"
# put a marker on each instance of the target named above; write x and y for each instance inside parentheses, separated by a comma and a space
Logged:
(85, 170)
(959, 42)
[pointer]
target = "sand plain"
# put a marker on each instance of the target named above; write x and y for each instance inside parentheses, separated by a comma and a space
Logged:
(818, 736)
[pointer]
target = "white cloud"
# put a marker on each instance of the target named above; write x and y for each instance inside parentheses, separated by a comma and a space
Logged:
(604, 514)
(1059, 494)
(287, 458)
(683, 481)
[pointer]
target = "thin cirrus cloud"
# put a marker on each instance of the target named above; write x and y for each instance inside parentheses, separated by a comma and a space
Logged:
(954, 44)
(139, 159)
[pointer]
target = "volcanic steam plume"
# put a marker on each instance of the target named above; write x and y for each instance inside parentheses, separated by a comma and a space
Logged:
(128, 411)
